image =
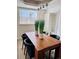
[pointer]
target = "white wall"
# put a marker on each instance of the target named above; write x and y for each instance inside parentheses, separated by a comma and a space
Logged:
(50, 22)
(58, 24)
(41, 14)
(22, 28)
(53, 15)
(54, 6)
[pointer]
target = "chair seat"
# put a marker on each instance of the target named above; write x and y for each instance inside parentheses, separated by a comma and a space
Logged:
(28, 45)
(51, 56)
(30, 48)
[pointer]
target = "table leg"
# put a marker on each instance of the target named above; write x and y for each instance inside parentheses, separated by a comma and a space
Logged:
(36, 54)
(39, 55)
(58, 53)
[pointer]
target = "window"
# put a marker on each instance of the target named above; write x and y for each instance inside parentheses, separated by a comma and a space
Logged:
(27, 16)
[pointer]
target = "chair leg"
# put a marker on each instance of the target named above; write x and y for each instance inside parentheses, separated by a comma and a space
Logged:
(24, 50)
(30, 58)
(22, 46)
(49, 54)
(43, 55)
(25, 54)
(25, 57)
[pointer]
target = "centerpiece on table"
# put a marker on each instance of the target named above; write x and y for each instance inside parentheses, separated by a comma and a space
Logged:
(39, 27)
(36, 27)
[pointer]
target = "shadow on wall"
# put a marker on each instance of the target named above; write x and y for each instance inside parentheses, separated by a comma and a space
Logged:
(22, 28)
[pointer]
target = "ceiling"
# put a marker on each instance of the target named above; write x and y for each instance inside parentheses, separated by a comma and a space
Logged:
(35, 2)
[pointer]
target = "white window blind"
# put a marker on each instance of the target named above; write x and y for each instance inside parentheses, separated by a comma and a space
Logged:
(27, 16)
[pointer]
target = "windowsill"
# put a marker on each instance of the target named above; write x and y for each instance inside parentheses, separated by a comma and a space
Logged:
(27, 24)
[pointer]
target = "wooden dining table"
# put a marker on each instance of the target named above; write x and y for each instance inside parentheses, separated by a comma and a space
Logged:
(45, 44)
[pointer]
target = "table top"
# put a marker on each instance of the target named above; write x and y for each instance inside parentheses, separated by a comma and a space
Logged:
(39, 44)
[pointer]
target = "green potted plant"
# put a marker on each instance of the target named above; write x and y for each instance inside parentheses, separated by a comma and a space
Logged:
(36, 27)
(41, 28)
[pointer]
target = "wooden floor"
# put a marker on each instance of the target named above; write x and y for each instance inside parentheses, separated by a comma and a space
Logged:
(20, 53)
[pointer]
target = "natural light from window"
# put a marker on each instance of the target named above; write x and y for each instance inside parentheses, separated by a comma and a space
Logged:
(27, 16)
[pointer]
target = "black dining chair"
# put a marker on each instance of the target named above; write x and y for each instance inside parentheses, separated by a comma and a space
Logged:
(44, 32)
(24, 37)
(52, 52)
(30, 48)
(55, 36)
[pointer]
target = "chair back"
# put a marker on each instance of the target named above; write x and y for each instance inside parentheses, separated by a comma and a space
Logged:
(55, 36)
(30, 48)
(24, 36)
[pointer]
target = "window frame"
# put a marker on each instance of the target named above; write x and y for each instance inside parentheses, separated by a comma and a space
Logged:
(18, 16)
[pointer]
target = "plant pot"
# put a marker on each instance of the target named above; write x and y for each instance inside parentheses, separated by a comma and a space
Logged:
(36, 33)
(41, 36)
